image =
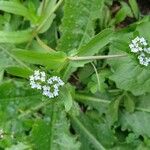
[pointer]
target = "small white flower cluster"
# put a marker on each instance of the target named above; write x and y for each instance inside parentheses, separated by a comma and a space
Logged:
(49, 87)
(1, 134)
(140, 46)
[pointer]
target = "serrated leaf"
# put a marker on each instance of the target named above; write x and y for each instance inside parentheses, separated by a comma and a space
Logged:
(139, 120)
(128, 74)
(52, 133)
(51, 60)
(94, 133)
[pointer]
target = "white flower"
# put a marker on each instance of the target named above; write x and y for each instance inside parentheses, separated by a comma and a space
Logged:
(50, 81)
(36, 73)
(143, 59)
(43, 74)
(134, 50)
(140, 46)
(55, 93)
(46, 88)
(49, 87)
(38, 86)
(50, 95)
(32, 78)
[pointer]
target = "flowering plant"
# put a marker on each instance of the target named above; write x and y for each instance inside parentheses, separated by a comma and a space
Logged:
(74, 75)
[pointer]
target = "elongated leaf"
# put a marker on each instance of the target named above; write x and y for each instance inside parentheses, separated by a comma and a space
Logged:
(123, 13)
(19, 71)
(135, 8)
(51, 60)
(47, 15)
(98, 42)
(15, 8)
(77, 25)
(15, 36)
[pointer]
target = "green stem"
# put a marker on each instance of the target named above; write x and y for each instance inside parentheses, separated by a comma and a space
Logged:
(83, 58)
(53, 120)
(82, 98)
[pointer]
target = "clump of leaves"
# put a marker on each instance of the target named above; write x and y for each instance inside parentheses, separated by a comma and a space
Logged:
(104, 100)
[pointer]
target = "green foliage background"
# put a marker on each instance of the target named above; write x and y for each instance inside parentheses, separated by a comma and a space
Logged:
(105, 103)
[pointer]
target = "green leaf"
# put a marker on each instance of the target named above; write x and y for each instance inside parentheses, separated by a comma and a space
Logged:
(143, 29)
(19, 71)
(21, 97)
(77, 25)
(15, 36)
(52, 132)
(128, 74)
(5, 57)
(97, 43)
(113, 110)
(16, 8)
(48, 23)
(129, 103)
(66, 97)
(7, 60)
(139, 120)
(47, 15)
(52, 60)
(123, 13)
(135, 8)
(93, 132)
(93, 46)
(19, 146)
